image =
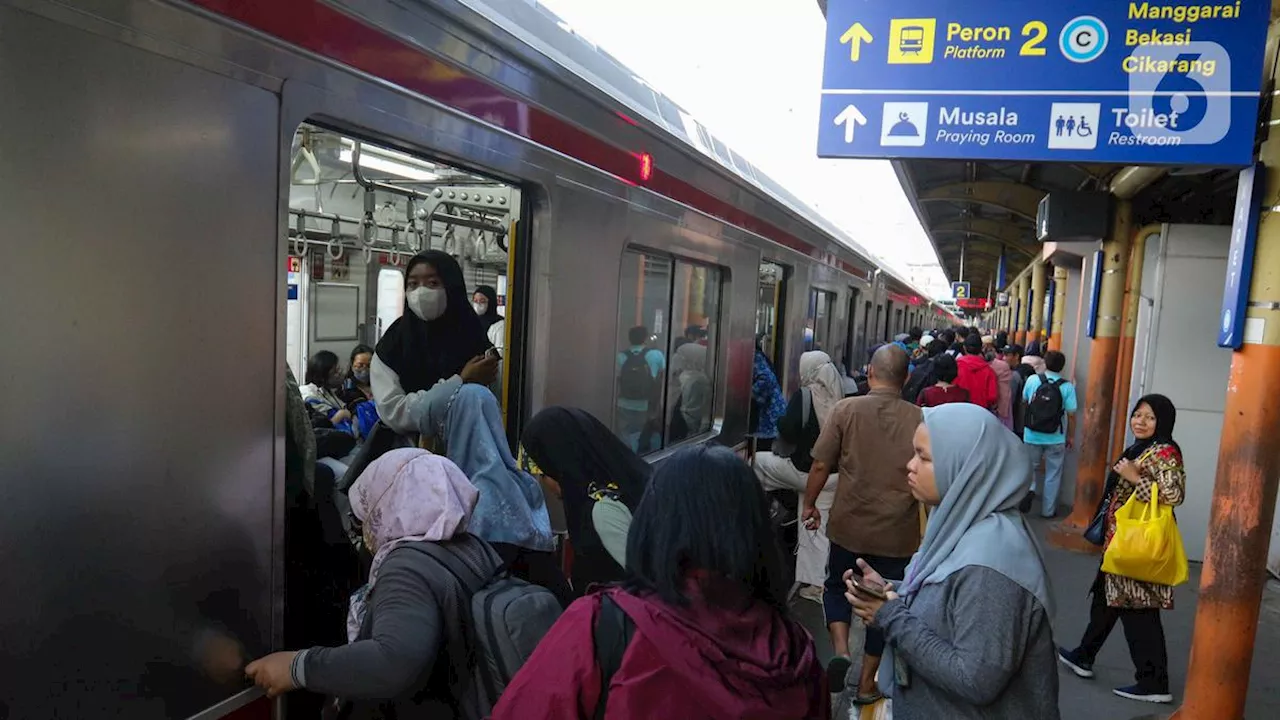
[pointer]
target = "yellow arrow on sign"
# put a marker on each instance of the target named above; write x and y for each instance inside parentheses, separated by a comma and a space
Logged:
(855, 36)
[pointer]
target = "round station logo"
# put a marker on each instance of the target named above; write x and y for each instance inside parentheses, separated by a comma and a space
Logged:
(1083, 39)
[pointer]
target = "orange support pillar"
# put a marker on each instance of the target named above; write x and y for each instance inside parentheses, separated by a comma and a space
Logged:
(1129, 322)
(1018, 305)
(1244, 493)
(1094, 459)
(1058, 322)
(1035, 325)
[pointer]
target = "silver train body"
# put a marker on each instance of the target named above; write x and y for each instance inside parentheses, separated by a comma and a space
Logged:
(146, 173)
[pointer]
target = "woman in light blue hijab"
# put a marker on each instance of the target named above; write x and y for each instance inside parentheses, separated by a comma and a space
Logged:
(512, 511)
(969, 631)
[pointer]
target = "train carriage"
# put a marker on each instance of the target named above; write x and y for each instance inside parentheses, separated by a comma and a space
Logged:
(200, 194)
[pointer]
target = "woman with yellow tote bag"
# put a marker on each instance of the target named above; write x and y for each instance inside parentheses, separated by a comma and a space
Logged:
(1152, 464)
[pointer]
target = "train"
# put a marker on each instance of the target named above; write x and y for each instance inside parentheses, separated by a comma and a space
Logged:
(203, 193)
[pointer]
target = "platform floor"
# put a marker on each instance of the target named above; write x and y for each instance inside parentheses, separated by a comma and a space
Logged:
(1092, 699)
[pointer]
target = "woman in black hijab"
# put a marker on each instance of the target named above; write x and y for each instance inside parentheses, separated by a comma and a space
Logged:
(1153, 463)
(599, 479)
(485, 302)
(439, 337)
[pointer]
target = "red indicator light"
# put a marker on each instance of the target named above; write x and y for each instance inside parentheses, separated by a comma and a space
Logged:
(646, 167)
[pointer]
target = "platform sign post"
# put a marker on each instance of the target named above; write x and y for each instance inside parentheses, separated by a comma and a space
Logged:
(1244, 238)
(1096, 81)
(960, 291)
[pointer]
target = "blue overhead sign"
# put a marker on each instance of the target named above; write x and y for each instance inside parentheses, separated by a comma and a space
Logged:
(1098, 81)
(1244, 237)
(960, 290)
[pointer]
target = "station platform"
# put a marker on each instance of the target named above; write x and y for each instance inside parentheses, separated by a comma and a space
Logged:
(1071, 574)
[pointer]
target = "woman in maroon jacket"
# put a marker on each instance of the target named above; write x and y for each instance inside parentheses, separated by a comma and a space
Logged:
(709, 632)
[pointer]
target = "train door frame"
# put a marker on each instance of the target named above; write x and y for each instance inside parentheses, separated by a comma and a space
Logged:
(778, 354)
(390, 121)
(853, 343)
(314, 106)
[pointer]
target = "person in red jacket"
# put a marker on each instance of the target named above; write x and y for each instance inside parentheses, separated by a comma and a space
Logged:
(976, 375)
(706, 602)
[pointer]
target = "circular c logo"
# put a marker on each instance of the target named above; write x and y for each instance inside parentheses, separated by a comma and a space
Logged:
(1083, 39)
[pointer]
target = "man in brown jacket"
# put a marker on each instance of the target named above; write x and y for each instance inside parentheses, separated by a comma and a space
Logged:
(874, 517)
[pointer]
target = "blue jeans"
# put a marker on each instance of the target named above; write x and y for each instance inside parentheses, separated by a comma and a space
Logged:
(1049, 482)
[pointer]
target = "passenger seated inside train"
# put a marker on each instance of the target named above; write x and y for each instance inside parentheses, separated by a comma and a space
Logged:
(701, 626)
(405, 656)
(357, 393)
(324, 380)
(438, 340)
(597, 477)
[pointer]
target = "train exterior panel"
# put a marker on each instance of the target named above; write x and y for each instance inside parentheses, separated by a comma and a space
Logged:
(147, 184)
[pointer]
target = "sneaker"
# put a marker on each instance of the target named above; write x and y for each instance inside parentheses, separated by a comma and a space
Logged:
(811, 592)
(1075, 663)
(837, 669)
(1135, 692)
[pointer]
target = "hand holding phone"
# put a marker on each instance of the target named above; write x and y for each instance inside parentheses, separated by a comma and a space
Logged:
(870, 587)
(493, 353)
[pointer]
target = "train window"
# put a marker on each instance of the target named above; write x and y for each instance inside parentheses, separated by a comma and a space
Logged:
(817, 334)
(769, 309)
(667, 335)
(358, 211)
(644, 322)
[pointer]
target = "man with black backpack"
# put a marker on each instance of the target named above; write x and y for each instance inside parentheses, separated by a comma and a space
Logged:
(639, 370)
(1048, 428)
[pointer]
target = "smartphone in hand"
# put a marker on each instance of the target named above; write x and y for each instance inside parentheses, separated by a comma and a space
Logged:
(867, 587)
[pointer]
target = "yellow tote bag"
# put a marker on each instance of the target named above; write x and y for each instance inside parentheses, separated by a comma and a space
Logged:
(1147, 545)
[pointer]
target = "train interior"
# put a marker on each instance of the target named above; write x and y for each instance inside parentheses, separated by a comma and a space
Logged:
(358, 212)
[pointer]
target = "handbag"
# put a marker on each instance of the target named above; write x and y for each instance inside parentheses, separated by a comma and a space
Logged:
(1146, 545)
(1096, 533)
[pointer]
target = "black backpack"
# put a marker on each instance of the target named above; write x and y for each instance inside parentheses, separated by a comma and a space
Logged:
(635, 379)
(922, 378)
(1044, 411)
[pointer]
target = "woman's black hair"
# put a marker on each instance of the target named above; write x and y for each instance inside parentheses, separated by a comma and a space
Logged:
(704, 512)
(575, 449)
(936, 348)
(945, 368)
(320, 367)
(360, 349)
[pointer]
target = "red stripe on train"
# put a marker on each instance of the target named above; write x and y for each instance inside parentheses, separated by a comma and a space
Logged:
(326, 30)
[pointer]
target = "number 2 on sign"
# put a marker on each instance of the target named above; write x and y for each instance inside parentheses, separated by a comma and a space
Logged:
(1035, 32)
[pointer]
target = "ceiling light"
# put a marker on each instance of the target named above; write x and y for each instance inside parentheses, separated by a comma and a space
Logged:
(373, 162)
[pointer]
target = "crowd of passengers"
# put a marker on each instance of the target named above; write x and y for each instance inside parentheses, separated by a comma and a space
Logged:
(676, 605)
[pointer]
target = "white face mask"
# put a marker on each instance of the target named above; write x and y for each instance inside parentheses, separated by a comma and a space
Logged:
(481, 308)
(427, 303)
